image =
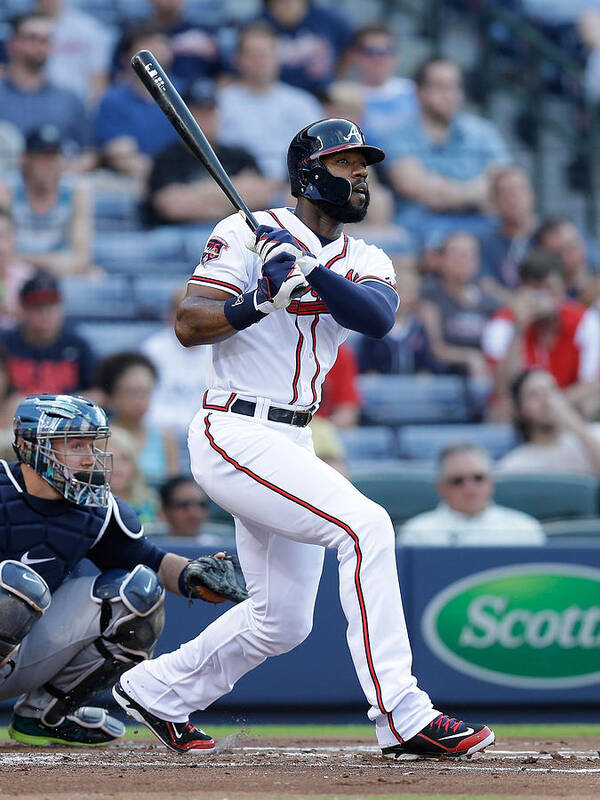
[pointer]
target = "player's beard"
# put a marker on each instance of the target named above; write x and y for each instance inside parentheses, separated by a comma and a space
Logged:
(347, 213)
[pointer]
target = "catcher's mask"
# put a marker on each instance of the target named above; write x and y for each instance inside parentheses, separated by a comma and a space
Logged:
(64, 439)
(308, 175)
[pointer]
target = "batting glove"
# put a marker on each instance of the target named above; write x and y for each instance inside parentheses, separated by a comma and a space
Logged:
(269, 242)
(280, 279)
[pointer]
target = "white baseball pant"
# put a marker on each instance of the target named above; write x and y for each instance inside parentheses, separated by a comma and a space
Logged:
(288, 506)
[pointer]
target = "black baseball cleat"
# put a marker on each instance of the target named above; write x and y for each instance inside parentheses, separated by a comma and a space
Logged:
(86, 727)
(181, 737)
(444, 736)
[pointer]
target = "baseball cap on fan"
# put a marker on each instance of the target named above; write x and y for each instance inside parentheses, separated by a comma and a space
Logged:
(39, 290)
(202, 92)
(45, 139)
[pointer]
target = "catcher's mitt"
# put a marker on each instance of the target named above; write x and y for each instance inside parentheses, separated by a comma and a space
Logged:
(215, 579)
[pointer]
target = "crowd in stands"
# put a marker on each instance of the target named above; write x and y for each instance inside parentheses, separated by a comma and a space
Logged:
(494, 295)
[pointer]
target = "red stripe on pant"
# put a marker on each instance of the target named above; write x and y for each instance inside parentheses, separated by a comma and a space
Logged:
(353, 536)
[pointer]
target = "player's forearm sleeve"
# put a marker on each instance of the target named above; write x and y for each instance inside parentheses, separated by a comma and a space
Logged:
(368, 308)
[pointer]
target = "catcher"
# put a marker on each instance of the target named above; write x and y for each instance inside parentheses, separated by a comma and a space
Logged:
(64, 641)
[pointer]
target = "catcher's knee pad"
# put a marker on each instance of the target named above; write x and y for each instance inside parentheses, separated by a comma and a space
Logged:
(141, 595)
(24, 597)
(132, 617)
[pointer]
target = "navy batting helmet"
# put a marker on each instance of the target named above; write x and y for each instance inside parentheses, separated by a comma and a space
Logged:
(43, 420)
(308, 176)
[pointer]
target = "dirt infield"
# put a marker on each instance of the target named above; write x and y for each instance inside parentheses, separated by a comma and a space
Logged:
(241, 767)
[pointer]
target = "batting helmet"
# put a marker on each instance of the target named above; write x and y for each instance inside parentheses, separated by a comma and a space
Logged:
(308, 176)
(42, 420)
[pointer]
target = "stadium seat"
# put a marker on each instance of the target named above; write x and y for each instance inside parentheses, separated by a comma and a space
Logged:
(573, 529)
(109, 297)
(425, 442)
(549, 496)
(153, 294)
(107, 338)
(160, 244)
(369, 442)
(406, 399)
(402, 492)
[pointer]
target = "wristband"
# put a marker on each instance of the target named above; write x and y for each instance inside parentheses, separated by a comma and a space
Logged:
(181, 583)
(241, 311)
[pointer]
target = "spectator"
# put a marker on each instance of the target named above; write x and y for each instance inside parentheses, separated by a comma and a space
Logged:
(389, 99)
(260, 112)
(196, 51)
(127, 481)
(43, 355)
(504, 247)
(27, 99)
(556, 438)
(405, 349)
(310, 41)
(455, 310)
(13, 272)
(130, 127)
(541, 327)
(127, 381)
(440, 160)
(184, 507)
(467, 514)
(558, 235)
(340, 397)
(52, 211)
(181, 190)
(182, 375)
(80, 54)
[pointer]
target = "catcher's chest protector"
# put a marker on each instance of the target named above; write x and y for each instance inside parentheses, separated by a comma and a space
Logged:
(50, 536)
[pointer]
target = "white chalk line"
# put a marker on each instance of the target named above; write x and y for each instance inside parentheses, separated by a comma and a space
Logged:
(308, 756)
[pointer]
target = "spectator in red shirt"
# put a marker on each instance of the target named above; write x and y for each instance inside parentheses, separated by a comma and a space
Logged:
(542, 328)
(341, 399)
(44, 356)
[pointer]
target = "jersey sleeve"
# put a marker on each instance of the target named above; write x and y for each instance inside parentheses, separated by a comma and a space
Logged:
(225, 262)
(117, 549)
(372, 264)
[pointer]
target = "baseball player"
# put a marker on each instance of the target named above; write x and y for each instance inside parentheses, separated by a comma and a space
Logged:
(276, 308)
(64, 641)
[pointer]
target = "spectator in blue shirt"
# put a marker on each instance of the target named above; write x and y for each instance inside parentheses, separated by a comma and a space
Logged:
(508, 242)
(130, 127)
(27, 99)
(310, 41)
(439, 161)
(389, 100)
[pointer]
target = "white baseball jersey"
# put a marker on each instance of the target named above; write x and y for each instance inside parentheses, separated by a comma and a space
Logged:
(286, 356)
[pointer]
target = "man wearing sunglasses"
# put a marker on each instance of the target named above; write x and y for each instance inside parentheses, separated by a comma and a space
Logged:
(467, 514)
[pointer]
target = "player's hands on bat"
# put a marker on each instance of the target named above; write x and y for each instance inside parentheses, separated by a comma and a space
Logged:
(280, 279)
(269, 242)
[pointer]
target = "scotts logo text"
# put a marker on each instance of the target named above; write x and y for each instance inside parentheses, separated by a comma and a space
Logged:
(535, 626)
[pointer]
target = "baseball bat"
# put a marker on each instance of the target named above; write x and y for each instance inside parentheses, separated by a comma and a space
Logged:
(156, 81)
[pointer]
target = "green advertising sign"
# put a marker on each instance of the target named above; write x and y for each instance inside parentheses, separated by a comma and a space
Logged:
(535, 626)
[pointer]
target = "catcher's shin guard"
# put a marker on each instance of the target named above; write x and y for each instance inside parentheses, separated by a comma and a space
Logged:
(132, 617)
(24, 597)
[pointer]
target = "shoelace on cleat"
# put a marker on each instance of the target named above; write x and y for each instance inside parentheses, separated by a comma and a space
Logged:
(447, 723)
